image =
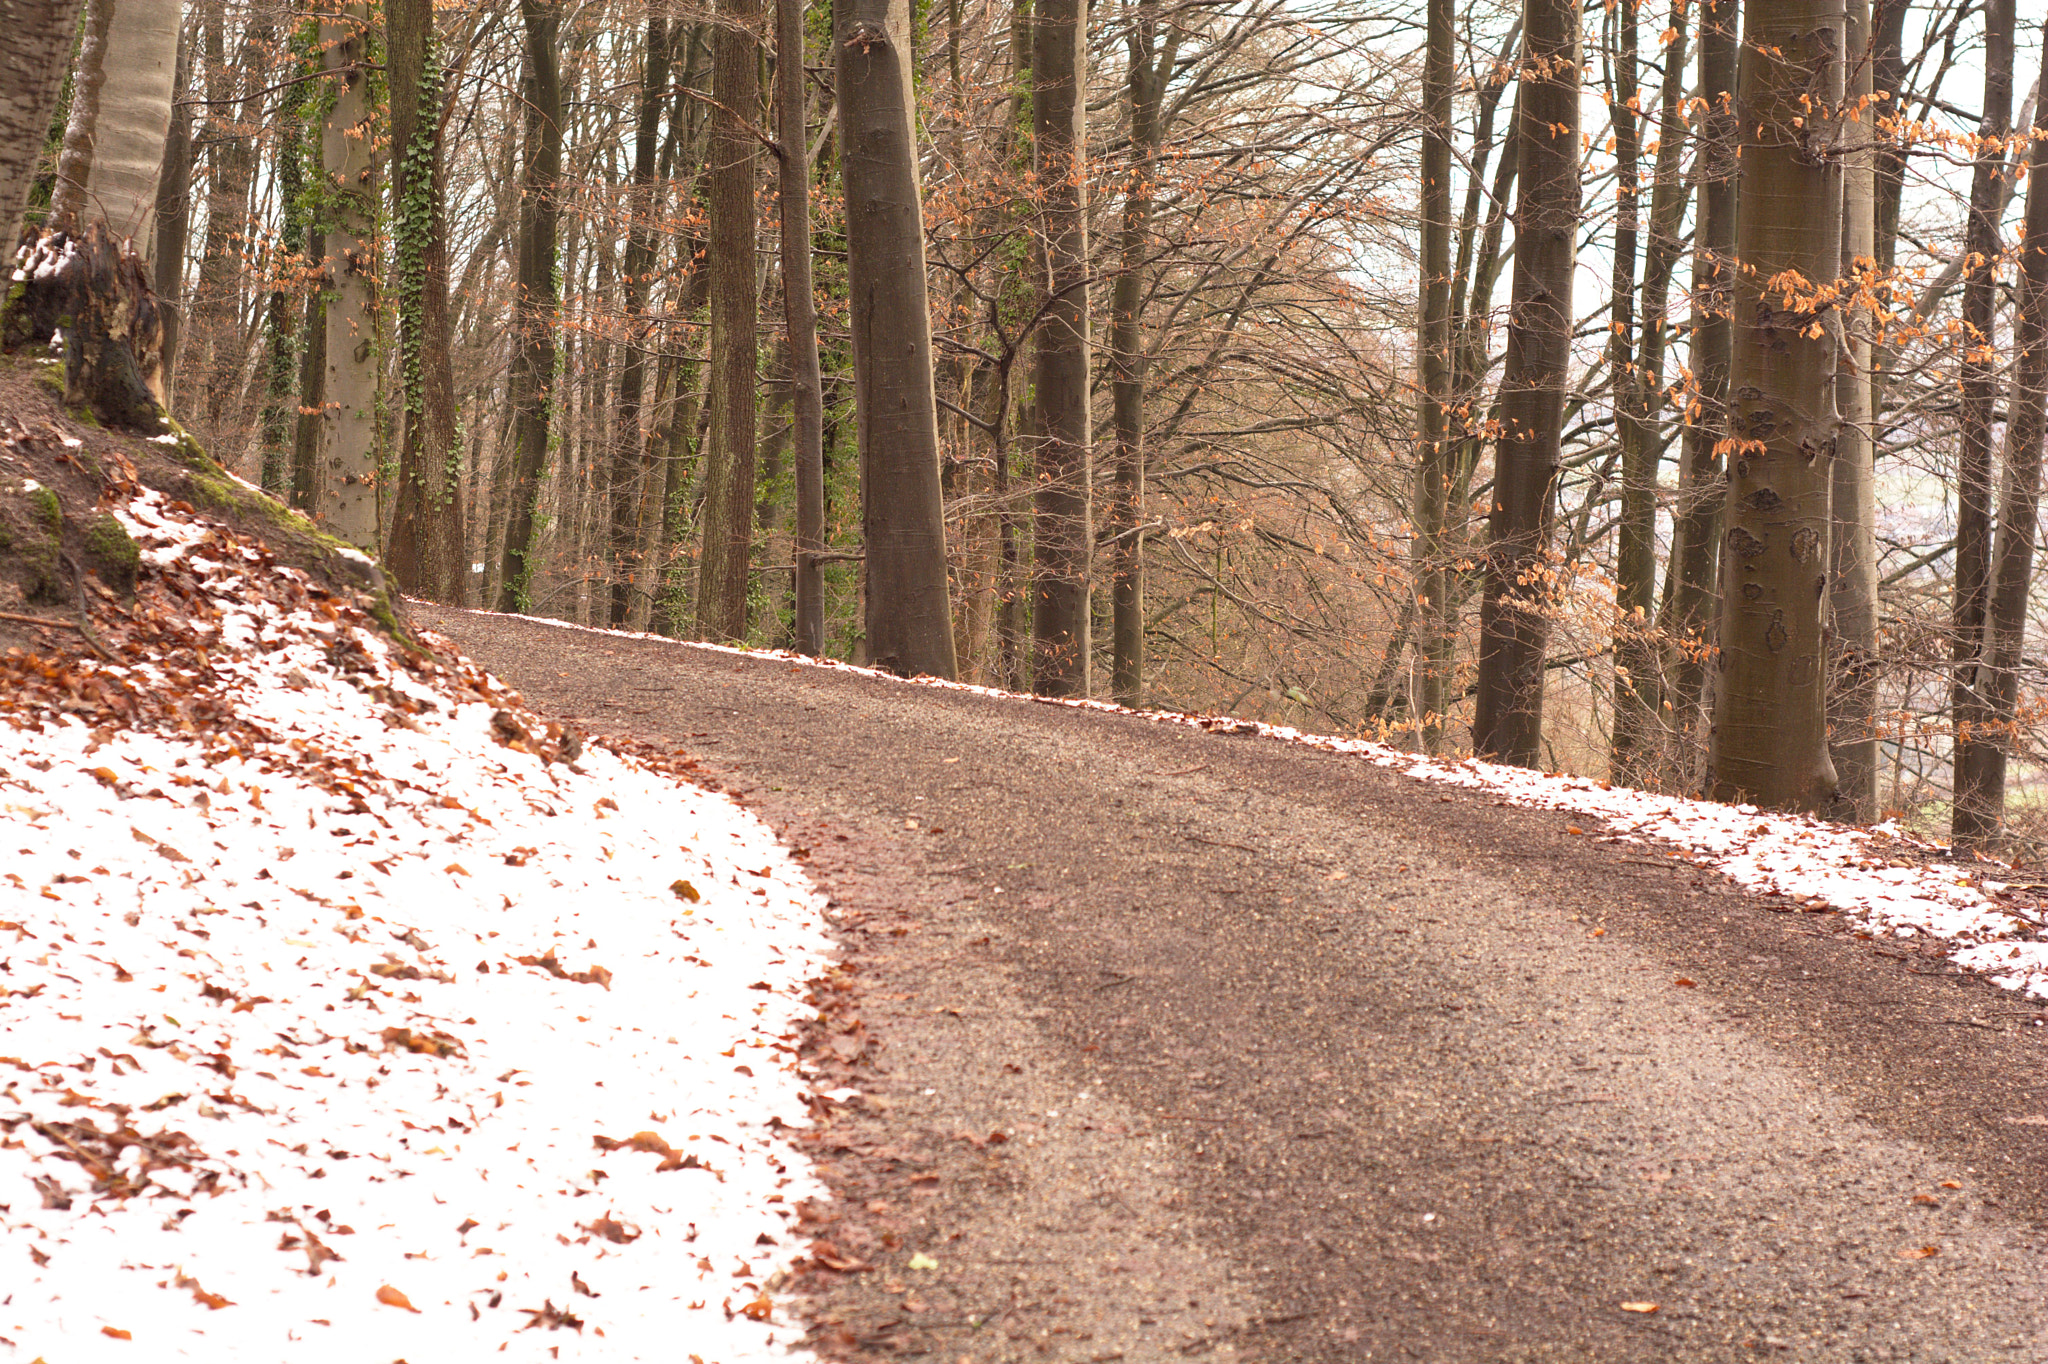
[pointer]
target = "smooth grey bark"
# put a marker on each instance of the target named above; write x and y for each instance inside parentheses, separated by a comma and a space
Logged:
(134, 117)
(1973, 821)
(1435, 632)
(1514, 621)
(1852, 588)
(1063, 533)
(89, 78)
(347, 500)
(174, 221)
(40, 34)
(727, 528)
(2012, 572)
(532, 377)
(909, 611)
(1769, 743)
(800, 321)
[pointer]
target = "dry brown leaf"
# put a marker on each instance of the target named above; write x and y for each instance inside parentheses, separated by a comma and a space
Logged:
(1645, 1307)
(1919, 1252)
(116, 1332)
(391, 1297)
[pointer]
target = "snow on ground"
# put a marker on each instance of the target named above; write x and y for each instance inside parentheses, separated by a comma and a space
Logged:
(361, 1016)
(1826, 865)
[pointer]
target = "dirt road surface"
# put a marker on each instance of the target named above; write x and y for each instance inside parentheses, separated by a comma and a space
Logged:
(1184, 1045)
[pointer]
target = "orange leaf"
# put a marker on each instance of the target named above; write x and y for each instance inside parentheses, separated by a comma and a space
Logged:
(1919, 1252)
(117, 1333)
(391, 1297)
(1688, 984)
(1645, 1307)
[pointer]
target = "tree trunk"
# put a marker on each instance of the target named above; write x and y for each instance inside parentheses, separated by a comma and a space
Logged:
(2019, 504)
(1063, 532)
(134, 117)
(347, 503)
(1852, 591)
(1514, 625)
(32, 69)
(174, 220)
(909, 615)
(631, 456)
(1770, 742)
(74, 163)
(1973, 819)
(1690, 612)
(1635, 571)
(800, 318)
(1151, 64)
(532, 376)
(426, 528)
(727, 534)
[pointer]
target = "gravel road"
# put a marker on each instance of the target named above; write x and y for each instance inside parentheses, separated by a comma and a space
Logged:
(1185, 1045)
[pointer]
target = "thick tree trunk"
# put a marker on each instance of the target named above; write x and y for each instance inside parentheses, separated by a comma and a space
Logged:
(1974, 820)
(1770, 742)
(1063, 530)
(32, 69)
(631, 456)
(1852, 589)
(1514, 625)
(425, 555)
(2012, 575)
(800, 318)
(909, 614)
(1151, 64)
(88, 80)
(728, 524)
(1435, 628)
(532, 376)
(347, 502)
(134, 117)
(1690, 613)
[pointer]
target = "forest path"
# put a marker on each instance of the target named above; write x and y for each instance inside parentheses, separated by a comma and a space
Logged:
(1297, 1060)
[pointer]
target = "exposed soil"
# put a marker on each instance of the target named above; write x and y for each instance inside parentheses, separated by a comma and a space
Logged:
(1293, 1059)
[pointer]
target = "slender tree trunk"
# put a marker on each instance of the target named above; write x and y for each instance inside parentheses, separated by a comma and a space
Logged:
(1435, 629)
(533, 355)
(347, 502)
(909, 614)
(1770, 741)
(1514, 626)
(1151, 64)
(1063, 531)
(174, 220)
(728, 525)
(32, 69)
(426, 553)
(2012, 576)
(74, 163)
(1974, 820)
(134, 117)
(1852, 587)
(631, 456)
(800, 318)
(1690, 613)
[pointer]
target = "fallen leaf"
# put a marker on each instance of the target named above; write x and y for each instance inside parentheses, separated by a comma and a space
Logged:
(760, 1309)
(115, 1331)
(685, 891)
(1688, 984)
(1926, 1200)
(1919, 1252)
(617, 1232)
(920, 1260)
(1644, 1307)
(391, 1297)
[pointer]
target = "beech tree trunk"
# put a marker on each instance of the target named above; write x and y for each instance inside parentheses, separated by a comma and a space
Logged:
(727, 528)
(426, 551)
(1973, 819)
(347, 503)
(1635, 573)
(532, 377)
(32, 69)
(134, 117)
(1063, 533)
(800, 318)
(81, 122)
(1436, 627)
(1852, 590)
(1514, 622)
(2019, 502)
(1151, 66)
(909, 614)
(1769, 743)
(174, 220)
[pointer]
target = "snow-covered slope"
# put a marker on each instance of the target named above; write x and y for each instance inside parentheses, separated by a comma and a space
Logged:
(349, 1012)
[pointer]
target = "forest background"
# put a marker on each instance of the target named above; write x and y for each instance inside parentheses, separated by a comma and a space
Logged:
(1425, 375)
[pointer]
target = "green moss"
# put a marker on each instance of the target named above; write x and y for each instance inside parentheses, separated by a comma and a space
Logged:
(48, 510)
(50, 375)
(108, 541)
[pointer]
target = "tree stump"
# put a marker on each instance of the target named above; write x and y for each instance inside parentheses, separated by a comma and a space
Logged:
(92, 292)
